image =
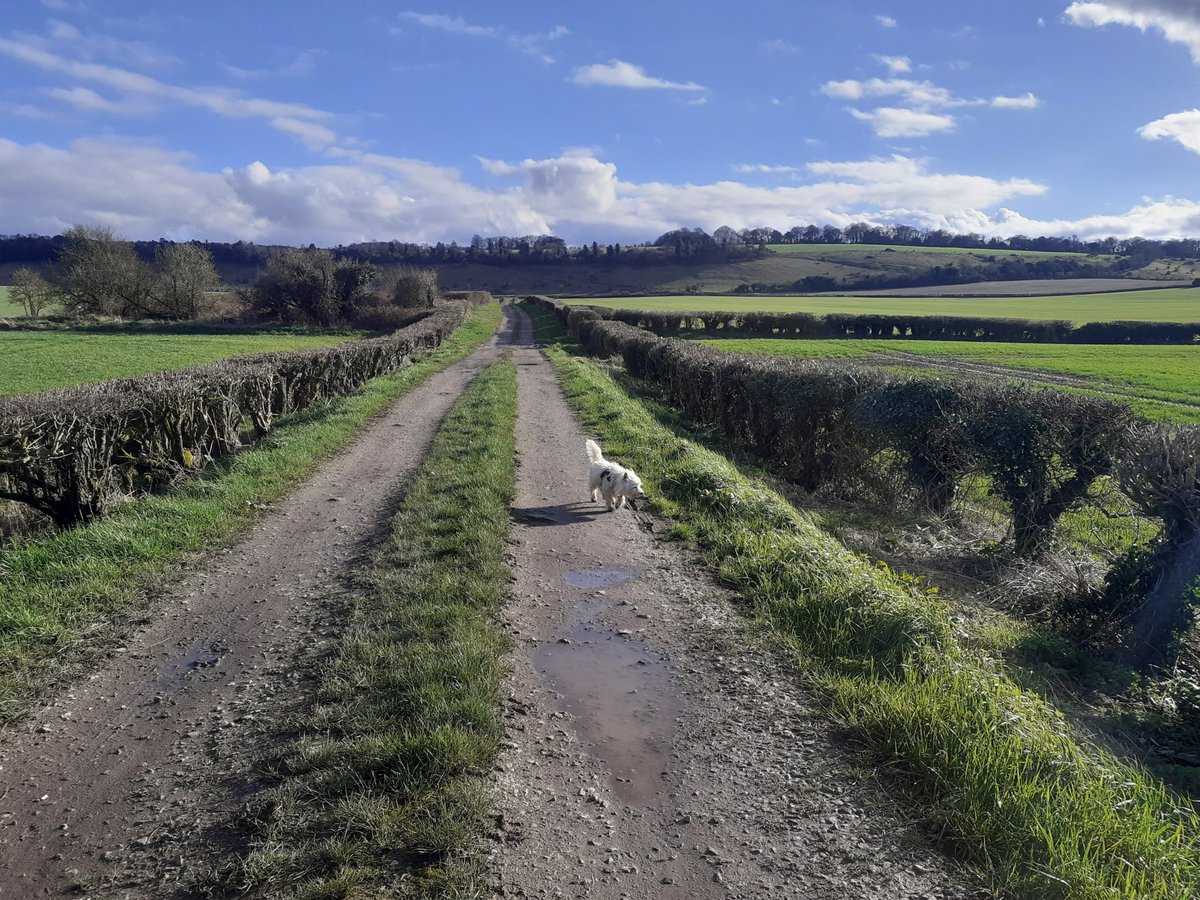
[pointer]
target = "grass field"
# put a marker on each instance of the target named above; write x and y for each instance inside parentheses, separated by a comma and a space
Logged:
(1169, 377)
(39, 360)
(7, 307)
(1169, 305)
(872, 249)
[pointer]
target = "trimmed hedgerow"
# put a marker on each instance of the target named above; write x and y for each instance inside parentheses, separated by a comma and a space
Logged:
(818, 423)
(70, 453)
(901, 326)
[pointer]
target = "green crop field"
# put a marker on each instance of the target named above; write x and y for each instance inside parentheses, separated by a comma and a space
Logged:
(1162, 382)
(1165, 305)
(861, 250)
(7, 307)
(38, 360)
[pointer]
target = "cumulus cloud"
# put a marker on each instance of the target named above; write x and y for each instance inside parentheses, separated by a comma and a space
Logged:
(923, 104)
(532, 44)
(144, 191)
(626, 75)
(886, 21)
(915, 93)
(1181, 126)
(1177, 20)
(890, 121)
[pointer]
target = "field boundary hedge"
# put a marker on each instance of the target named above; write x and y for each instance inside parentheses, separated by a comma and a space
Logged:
(72, 452)
(1044, 811)
(819, 422)
(899, 326)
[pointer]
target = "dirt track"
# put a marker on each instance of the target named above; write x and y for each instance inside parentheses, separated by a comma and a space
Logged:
(657, 747)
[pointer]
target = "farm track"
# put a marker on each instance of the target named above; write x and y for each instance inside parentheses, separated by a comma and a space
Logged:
(1013, 373)
(657, 745)
(111, 788)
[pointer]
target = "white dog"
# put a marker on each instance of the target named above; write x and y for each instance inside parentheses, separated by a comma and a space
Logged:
(615, 482)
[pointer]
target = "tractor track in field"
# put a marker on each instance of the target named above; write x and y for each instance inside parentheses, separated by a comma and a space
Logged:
(959, 366)
(657, 745)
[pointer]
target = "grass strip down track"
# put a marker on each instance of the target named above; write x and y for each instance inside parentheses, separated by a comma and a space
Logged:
(387, 774)
(1042, 811)
(62, 594)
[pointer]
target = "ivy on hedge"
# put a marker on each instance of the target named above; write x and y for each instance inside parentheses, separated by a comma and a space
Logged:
(71, 453)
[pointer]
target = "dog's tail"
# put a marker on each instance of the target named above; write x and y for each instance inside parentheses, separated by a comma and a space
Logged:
(593, 451)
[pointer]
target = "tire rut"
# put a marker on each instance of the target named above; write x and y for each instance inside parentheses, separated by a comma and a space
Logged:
(657, 745)
(120, 785)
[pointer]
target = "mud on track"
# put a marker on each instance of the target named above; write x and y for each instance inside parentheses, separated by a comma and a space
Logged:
(657, 747)
(115, 787)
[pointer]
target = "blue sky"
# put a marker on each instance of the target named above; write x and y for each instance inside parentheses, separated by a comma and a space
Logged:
(372, 120)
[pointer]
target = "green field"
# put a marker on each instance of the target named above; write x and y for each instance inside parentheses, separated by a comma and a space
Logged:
(1165, 305)
(38, 360)
(7, 307)
(869, 249)
(1162, 382)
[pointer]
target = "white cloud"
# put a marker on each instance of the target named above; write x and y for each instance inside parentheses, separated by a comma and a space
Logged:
(313, 135)
(89, 101)
(915, 93)
(888, 121)
(138, 90)
(532, 44)
(886, 21)
(1026, 101)
(1169, 217)
(144, 191)
(897, 65)
(302, 64)
(1181, 126)
(1177, 20)
(91, 46)
(627, 75)
(764, 169)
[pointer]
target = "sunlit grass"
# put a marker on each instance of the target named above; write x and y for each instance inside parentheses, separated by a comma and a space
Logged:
(1159, 305)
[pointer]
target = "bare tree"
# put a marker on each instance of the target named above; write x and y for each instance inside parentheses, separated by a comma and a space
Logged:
(32, 291)
(101, 274)
(184, 273)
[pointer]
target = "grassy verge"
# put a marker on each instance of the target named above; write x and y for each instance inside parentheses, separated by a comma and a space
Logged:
(64, 596)
(1043, 812)
(40, 360)
(387, 773)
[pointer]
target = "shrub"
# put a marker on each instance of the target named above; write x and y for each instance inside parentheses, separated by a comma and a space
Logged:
(310, 286)
(414, 288)
(1043, 450)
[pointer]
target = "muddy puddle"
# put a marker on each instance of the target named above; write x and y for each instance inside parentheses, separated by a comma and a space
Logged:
(617, 688)
(199, 654)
